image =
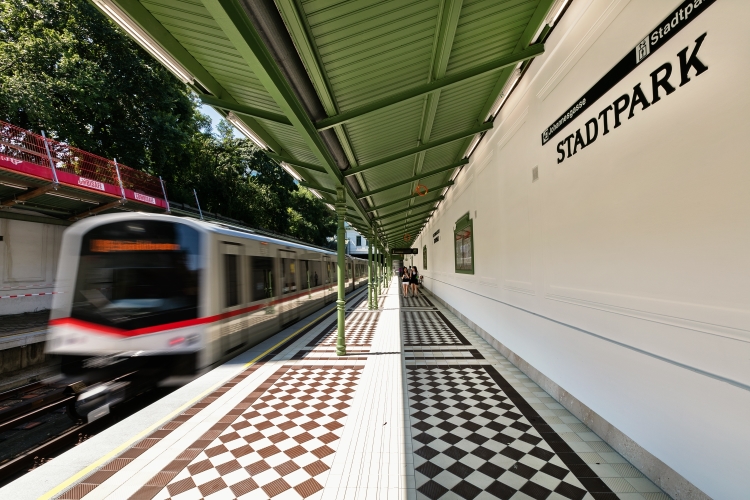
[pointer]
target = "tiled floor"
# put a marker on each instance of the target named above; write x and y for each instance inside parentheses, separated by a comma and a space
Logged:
(284, 441)
(421, 407)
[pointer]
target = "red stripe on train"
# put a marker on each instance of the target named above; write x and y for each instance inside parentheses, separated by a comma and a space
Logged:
(107, 330)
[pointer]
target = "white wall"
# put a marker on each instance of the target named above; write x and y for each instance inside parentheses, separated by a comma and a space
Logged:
(623, 273)
(28, 264)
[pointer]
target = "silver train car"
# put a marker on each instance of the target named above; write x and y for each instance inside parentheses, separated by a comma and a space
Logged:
(177, 295)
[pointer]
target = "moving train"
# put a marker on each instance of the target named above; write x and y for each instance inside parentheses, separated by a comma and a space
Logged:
(177, 296)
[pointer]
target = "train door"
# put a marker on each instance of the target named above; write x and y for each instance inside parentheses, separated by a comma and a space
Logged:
(329, 279)
(352, 278)
(233, 326)
(288, 310)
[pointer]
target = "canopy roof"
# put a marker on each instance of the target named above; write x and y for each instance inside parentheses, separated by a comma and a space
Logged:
(375, 96)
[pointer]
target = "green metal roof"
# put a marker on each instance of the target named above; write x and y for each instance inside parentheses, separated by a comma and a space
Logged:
(405, 86)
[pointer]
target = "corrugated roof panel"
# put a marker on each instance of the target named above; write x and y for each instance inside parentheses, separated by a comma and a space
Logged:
(488, 29)
(194, 27)
(367, 50)
(371, 50)
(386, 132)
(460, 105)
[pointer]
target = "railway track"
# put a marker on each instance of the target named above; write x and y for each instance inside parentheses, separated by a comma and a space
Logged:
(38, 422)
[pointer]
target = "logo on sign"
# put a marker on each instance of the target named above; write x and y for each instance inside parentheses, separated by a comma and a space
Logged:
(14, 161)
(82, 181)
(143, 197)
(642, 50)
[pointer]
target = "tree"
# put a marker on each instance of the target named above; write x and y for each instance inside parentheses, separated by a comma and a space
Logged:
(310, 220)
(68, 70)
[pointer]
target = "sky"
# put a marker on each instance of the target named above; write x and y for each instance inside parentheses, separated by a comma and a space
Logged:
(216, 118)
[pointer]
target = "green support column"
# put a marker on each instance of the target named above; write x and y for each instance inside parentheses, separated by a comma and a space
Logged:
(380, 271)
(375, 278)
(369, 271)
(341, 269)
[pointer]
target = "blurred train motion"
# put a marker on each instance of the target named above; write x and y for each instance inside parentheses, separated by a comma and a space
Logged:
(172, 297)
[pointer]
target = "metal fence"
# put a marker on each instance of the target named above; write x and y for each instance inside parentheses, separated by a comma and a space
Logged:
(21, 144)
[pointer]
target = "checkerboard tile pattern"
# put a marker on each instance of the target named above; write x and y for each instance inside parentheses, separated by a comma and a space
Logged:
(429, 328)
(281, 446)
(360, 329)
(475, 443)
(418, 301)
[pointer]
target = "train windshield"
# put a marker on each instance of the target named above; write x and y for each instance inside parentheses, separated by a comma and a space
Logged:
(138, 274)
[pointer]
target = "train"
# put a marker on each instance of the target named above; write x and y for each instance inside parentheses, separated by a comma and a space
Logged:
(175, 296)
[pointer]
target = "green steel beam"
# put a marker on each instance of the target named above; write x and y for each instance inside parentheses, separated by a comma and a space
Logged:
(426, 88)
(447, 25)
(424, 147)
(312, 185)
(244, 110)
(396, 237)
(234, 22)
(411, 207)
(423, 175)
(405, 198)
(146, 21)
(417, 216)
(384, 223)
(522, 46)
(296, 163)
(408, 226)
(434, 188)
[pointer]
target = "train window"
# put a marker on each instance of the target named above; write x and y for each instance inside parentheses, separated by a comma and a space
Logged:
(305, 278)
(463, 237)
(288, 275)
(329, 274)
(138, 274)
(261, 278)
(316, 274)
(231, 280)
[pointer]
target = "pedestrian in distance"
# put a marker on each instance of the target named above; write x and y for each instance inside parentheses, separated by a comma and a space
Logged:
(414, 281)
(405, 277)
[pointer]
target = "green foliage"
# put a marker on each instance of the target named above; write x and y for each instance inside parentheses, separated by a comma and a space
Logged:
(66, 69)
(309, 219)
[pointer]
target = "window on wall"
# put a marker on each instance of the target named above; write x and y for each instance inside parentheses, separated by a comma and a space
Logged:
(424, 257)
(359, 241)
(463, 237)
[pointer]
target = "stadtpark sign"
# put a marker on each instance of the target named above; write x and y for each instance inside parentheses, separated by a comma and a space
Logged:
(661, 84)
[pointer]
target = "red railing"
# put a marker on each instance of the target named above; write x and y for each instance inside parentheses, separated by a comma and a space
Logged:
(21, 144)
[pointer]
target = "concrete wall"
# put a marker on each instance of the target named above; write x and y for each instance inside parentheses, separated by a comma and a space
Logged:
(622, 275)
(28, 264)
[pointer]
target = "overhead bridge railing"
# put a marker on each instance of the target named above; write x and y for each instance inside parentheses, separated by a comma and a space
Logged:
(25, 154)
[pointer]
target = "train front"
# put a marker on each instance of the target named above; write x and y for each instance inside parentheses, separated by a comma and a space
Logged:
(130, 298)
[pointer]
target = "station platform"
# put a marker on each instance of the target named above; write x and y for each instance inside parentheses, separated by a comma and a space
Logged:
(421, 407)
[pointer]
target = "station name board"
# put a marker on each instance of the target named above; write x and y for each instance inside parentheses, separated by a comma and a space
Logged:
(663, 32)
(405, 251)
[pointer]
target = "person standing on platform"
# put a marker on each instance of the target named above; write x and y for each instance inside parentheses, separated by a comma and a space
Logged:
(414, 281)
(405, 277)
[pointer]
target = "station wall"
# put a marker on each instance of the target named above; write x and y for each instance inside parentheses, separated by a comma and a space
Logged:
(622, 274)
(28, 264)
